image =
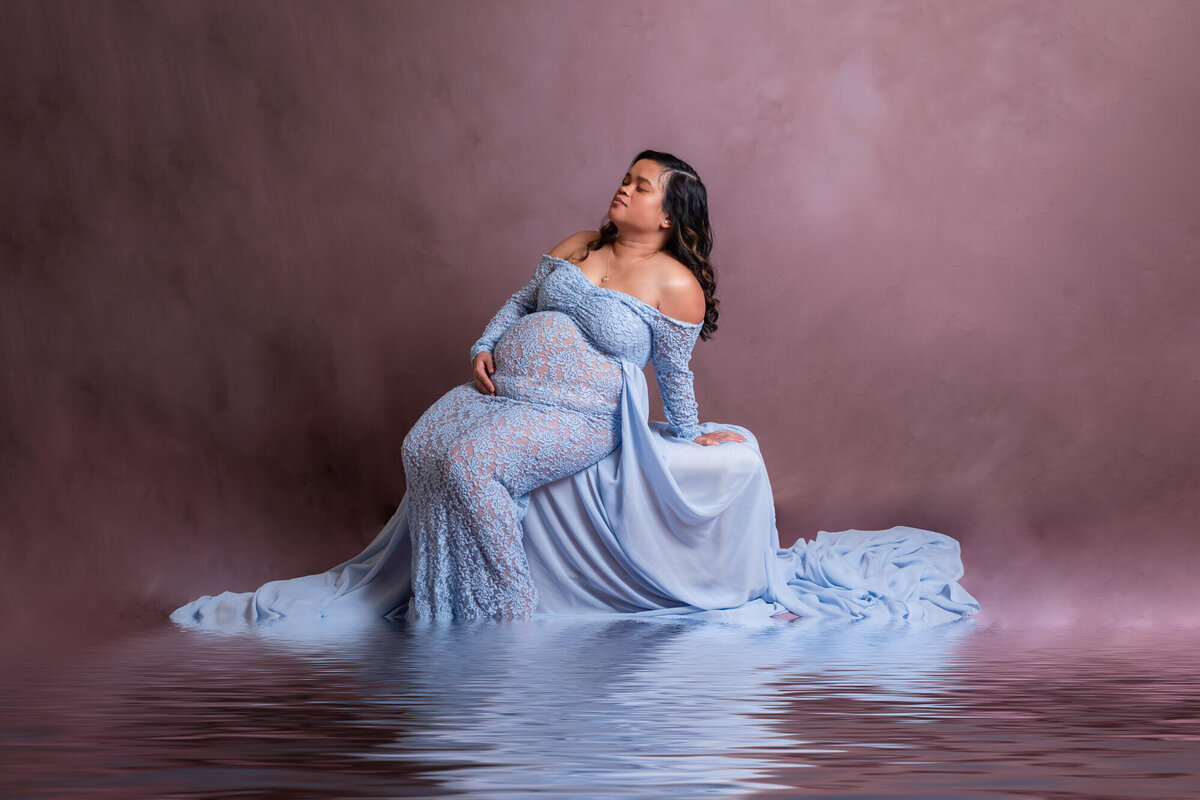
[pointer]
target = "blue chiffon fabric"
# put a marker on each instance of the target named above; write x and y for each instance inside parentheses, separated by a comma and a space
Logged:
(659, 526)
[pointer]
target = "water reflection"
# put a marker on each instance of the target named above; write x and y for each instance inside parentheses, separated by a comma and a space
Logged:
(628, 708)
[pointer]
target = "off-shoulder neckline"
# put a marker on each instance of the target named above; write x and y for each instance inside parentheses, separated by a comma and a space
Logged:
(627, 295)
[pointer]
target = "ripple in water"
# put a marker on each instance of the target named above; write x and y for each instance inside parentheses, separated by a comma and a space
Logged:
(629, 708)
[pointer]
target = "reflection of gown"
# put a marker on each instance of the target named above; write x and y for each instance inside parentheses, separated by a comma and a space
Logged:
(557, 496)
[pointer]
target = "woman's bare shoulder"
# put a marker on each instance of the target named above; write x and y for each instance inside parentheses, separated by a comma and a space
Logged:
(681, 295)
(574, 246)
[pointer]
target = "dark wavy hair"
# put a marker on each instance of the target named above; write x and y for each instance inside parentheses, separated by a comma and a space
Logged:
(686, 203)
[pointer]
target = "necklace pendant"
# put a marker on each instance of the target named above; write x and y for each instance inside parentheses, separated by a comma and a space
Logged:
(604, 279)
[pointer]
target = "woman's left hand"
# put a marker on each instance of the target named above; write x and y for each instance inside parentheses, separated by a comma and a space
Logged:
(716, 437)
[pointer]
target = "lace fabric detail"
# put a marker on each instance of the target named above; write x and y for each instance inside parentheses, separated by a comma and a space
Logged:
(541, 359)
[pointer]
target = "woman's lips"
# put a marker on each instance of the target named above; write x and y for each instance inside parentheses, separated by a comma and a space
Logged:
(617, 201)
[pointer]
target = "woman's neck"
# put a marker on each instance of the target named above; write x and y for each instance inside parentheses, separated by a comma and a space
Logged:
(629, 249)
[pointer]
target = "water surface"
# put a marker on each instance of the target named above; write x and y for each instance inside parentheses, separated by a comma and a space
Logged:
(628, 708)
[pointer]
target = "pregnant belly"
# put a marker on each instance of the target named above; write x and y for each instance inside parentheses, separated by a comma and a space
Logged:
(544, 358)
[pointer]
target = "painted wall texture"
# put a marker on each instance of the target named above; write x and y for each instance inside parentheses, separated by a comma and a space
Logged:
(244, 245)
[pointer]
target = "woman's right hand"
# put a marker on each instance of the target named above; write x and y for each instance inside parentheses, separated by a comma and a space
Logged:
(483, 367)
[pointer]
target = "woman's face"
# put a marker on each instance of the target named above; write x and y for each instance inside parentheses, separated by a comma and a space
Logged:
(637, 205)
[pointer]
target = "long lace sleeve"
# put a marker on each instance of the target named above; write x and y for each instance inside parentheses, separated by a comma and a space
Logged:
(523, 302)
(671, 351)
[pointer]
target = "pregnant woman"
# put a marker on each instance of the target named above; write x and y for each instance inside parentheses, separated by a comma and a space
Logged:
(540, 487)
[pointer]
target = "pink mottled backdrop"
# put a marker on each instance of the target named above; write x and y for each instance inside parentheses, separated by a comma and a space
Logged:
(243, 245)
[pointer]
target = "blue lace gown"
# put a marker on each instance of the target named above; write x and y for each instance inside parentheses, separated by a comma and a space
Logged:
(472, 459)
(558, 496)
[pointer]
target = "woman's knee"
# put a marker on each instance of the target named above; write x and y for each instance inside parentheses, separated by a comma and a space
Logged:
(416, 442)
(424, 448)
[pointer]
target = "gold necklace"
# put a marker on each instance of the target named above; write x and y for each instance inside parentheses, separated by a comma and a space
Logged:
(636, 260)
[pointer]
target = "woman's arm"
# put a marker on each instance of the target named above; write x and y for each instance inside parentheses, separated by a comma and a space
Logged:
(671, 351)
(525, 300)
(682, 299)
(522, 302)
